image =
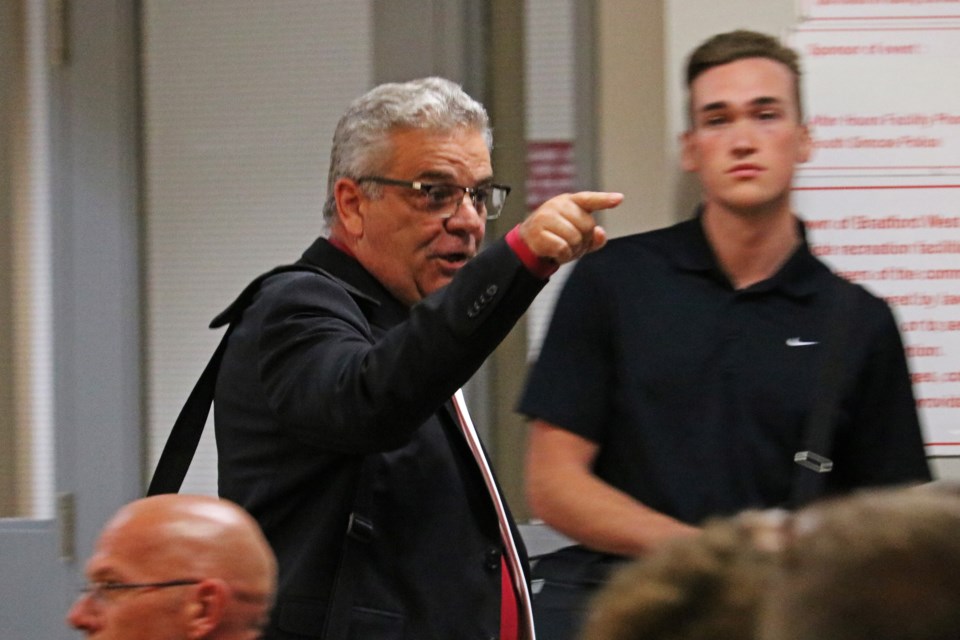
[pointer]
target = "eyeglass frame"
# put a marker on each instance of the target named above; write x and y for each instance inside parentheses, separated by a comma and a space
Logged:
(424, 187)
(97, 590)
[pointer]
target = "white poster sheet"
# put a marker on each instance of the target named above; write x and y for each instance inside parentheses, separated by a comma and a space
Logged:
(881, 196)
(879, 9)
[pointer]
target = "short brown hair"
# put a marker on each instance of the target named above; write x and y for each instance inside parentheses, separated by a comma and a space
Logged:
(882, 564)
(703, 587)
(728, 47)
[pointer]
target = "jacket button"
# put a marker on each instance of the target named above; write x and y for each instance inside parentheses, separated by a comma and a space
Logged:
(492, 559)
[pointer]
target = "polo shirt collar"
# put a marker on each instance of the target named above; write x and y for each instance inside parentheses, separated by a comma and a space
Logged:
(796, 278)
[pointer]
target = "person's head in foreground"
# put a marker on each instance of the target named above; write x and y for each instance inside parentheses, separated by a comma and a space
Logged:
(881, 565)
(176, 567)
(703, 587)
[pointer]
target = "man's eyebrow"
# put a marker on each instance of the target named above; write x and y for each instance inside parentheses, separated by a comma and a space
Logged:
(440, 176)
(104, 575)
(714, 106)
(761, 101)
(435, 176)
(764, 101)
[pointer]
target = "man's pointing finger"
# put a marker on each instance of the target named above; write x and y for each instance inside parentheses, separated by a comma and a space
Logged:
(596, 200)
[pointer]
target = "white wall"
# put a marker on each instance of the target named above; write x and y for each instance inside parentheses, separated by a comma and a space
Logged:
(240, 102)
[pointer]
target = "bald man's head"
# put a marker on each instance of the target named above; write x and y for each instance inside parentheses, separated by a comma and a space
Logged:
(205, 568)
(203, 535)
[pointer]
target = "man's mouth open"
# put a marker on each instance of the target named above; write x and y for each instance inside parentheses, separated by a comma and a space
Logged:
(452, 261)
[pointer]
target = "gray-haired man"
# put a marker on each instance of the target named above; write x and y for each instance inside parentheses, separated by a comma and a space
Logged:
(334, 419)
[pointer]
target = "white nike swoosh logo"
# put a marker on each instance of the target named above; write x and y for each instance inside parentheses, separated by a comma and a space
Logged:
(797, 342)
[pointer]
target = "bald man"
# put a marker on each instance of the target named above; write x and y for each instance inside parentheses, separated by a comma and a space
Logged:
(178, 567)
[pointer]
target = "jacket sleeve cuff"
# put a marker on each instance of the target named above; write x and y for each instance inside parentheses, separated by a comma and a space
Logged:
(540, 267)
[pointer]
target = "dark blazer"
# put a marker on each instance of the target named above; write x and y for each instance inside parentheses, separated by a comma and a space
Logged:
(334, 430)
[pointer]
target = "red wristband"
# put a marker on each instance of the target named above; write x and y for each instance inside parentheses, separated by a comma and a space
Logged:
(540, 267)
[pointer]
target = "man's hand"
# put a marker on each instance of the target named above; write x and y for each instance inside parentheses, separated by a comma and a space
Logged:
(563, 228)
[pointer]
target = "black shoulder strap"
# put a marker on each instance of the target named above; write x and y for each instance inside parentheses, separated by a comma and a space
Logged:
(813, 460)
(185, 435)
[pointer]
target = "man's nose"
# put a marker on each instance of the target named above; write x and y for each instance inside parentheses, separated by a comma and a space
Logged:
(743, 138)
(468, 217)
(81, 615)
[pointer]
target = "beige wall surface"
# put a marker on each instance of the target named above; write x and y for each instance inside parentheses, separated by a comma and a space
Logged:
(631, 116)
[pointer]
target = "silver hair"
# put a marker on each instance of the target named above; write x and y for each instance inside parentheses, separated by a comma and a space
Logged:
(361, 142)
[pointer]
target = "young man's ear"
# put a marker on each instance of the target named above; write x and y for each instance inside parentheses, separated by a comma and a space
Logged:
(350, 205)
(206, 608)
(688, 152)
(805, 150)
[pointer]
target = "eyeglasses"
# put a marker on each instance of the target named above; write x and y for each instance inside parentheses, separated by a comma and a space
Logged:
(443, 199)
(99, 591)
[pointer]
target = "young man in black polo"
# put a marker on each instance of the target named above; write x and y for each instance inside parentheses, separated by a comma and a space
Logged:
(681, 365)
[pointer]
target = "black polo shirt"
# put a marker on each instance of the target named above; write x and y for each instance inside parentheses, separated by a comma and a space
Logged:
(697, 393)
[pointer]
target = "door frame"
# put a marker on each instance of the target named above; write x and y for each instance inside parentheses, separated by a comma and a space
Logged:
(93, 117)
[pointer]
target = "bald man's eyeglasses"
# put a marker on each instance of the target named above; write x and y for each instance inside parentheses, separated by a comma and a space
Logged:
(100, 592)
(443, 199)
